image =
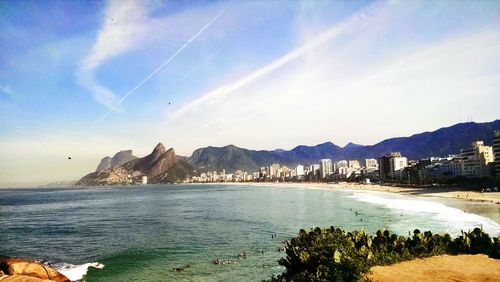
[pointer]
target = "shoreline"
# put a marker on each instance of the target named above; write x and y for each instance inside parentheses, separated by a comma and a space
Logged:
(490, 198)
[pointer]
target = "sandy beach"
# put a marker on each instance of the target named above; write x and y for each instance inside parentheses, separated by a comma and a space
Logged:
(486, 197)
(440, 268)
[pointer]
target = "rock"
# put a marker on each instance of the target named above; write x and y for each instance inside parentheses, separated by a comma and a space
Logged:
(17, 269)
(161, 166)
(104, 164)
(22, 278)
(118, 159)
(122, 157)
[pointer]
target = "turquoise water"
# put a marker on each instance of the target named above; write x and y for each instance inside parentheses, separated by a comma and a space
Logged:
(143, 232)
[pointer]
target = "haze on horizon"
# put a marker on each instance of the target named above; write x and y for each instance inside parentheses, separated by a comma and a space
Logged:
(87, 79)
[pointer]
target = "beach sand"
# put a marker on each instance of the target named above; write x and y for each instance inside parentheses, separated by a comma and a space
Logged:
(486, 197)
(440, 268)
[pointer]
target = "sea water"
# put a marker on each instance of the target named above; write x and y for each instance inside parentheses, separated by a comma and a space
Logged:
(142, 233)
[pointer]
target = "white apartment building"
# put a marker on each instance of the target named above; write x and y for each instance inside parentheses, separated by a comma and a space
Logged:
(299, 170)
(325, 167)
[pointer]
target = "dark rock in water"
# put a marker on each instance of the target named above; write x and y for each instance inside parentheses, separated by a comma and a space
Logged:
(21, 270)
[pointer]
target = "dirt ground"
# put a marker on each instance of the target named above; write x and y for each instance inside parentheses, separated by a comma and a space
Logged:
(440, 268)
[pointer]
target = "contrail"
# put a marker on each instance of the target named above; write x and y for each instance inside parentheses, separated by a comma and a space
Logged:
(157, 69)
(354, 23)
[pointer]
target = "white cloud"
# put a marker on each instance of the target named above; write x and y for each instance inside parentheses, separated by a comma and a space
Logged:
(338, 87)
(128, 26)
(125, 25)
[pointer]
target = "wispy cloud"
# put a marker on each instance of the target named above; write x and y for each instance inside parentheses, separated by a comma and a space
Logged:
(6, 89)
(359, 21)
(124, 26)
(159, 68)
(353, 75)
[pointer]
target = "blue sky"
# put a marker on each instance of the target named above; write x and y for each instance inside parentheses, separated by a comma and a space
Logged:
(261, 75)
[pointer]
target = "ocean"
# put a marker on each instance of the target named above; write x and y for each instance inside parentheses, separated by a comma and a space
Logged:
(142, 233)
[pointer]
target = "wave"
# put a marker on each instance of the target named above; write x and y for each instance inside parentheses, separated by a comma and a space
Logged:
(453, 219)
(76, 272)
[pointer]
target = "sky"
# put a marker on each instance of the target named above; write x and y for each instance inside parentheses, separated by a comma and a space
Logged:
(87, 79)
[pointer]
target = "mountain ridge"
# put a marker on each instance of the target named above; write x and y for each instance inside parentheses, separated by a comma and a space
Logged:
(441, 142)
(162, 166)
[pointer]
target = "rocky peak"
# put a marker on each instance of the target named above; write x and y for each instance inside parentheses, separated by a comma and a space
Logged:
(162, 164)
(158, 151)
(104, 164)
(122, 157)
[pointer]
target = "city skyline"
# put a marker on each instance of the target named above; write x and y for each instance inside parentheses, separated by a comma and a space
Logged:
(87, 80)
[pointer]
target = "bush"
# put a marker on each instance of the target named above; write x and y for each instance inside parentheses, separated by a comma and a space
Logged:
(333, 254)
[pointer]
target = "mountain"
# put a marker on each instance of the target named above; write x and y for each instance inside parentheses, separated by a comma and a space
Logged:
(161, 166)
(230, 157)
(351, 145)
(442, 142)
(118, 159)
(104, 164)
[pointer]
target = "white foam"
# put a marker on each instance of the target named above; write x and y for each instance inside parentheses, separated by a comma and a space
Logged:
(453, 219)
(76, 272)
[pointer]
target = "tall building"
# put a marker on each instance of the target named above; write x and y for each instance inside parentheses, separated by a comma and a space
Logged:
(496, 152)
(399, 163)
(274, 171)
(391, 163)
(342, 163)
(325, 167)
(371, 163)
(353, 164)
(476, 159)
(299, 170)
(314, 169)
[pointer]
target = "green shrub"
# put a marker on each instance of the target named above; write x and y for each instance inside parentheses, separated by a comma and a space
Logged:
(333, 254)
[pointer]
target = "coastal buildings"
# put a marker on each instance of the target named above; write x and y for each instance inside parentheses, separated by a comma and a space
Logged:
(475, 160)
(314, 171)
(371, 164)
(391, 163)
(325, 168)
(341, 167)
(299, 170)
(496, 152)
(478, 161)
(354, 164)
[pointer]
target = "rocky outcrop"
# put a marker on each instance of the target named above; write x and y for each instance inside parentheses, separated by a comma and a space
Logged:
(161, 166)
(104, 164)
(122, 157)
(118, 159)
(21, 270)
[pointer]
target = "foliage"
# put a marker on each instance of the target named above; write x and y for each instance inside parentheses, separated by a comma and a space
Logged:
(333, 254)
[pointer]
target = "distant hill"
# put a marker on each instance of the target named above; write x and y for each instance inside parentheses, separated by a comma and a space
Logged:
(161, 166)
(441, 142)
